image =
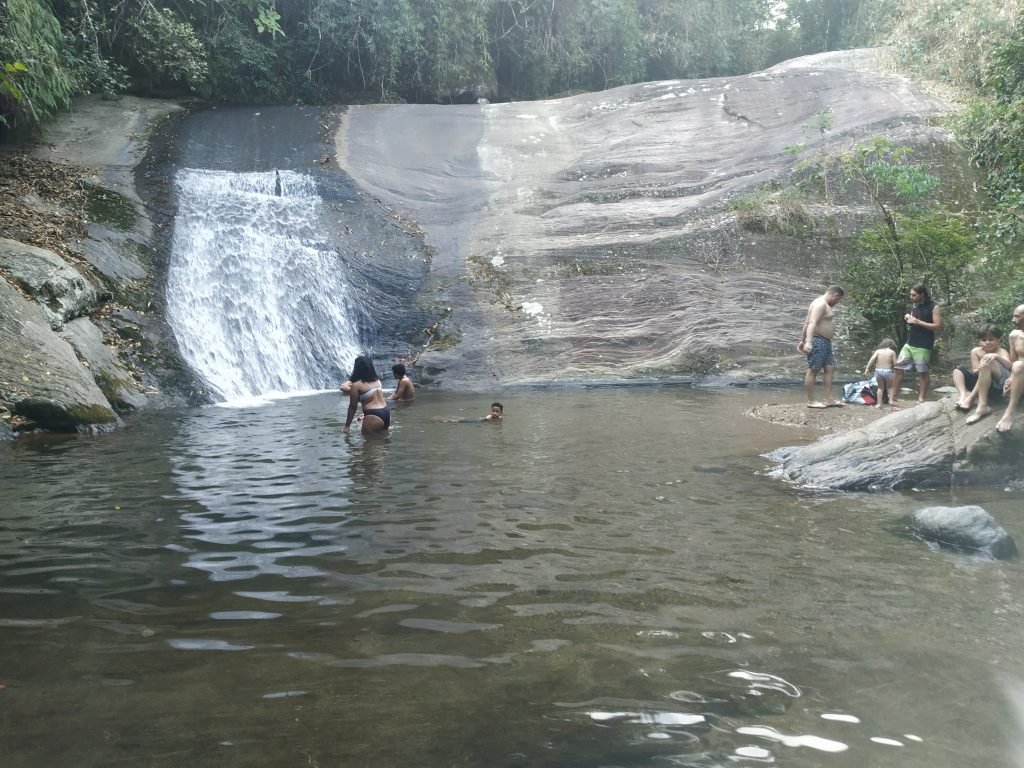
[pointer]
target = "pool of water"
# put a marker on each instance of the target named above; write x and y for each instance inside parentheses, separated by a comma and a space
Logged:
(606, 578)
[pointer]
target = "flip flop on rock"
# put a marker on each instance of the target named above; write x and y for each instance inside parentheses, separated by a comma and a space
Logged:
(816, 405)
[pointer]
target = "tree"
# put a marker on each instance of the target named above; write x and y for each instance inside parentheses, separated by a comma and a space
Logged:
(993, 130)
(35, 83)
(934, 247)
(912, 241)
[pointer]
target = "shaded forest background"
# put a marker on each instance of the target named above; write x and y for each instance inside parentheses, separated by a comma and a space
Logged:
(359, 51)
(339, 51)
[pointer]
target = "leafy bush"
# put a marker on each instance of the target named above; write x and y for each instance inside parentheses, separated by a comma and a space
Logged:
(993, 131)
(167, 51)
(242, 69)
(773, 209)
(933, 247)
(36, 83)
(951, 42)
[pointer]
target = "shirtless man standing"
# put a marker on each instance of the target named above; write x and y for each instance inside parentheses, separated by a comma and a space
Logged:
(816, 343)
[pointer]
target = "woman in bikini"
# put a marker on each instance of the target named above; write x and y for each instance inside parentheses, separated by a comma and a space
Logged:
(366, 391)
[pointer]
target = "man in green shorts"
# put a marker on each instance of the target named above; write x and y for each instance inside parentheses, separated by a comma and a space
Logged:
(923, 320)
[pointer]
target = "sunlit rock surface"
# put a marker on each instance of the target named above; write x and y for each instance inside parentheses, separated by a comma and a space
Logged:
(925, 446)
(588, 238)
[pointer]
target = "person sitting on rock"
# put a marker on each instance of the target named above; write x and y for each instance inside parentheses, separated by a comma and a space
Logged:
(1013, 386)
(988, 354)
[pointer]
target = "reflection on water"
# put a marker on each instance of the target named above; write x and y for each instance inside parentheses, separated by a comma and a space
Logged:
(580, 585)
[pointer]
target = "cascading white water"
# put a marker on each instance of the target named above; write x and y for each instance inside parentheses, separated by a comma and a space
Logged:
(258, 306)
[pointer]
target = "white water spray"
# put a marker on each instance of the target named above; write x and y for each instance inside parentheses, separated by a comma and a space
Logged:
(258, 305)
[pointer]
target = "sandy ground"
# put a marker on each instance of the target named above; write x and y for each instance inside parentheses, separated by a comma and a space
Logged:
(826, 419)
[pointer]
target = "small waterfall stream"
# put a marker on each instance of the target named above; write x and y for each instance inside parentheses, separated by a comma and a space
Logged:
(260, 306)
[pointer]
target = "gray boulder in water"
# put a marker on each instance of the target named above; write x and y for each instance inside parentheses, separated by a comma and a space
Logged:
(966, 528)
(40, 376)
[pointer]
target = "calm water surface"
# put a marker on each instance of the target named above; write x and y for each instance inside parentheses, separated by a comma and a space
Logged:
(604, 579)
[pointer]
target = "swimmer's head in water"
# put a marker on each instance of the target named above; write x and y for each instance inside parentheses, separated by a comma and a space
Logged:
(496, 410)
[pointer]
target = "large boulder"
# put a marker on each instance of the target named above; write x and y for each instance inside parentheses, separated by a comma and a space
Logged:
(41, 379)
(61, 290)
(929, 445)
(968, 528)
(109, 373)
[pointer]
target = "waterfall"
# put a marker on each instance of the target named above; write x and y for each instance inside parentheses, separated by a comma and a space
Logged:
(259, 305)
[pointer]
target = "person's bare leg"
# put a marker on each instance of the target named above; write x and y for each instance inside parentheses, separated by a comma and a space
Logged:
(373, 425)
(897, 383)
(810, 378)
(922, 386)
(826, 385)
(1016, 390)
(964, 399)
(983, 409)
(883, 388)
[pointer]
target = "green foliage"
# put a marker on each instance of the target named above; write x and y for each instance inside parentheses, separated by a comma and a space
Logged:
(35, 83)
(266, 20)
(544, 48)
(772, 209)
(911, 242)
(701, 38)
(829, 25)
(9, 83)
(439, 50)
(455, 47)
(880, 168)
(993, 131)
(241, 68)
(166, 50)
(933, 247)
(951, 42)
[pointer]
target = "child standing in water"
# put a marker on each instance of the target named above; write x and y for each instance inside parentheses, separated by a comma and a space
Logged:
(884, 359)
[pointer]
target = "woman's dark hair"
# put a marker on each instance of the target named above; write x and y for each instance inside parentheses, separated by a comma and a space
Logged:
(399, 370)
(363, 370)
(921, 290)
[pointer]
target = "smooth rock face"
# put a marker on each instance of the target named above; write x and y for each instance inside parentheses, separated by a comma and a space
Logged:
(61, 290)
(968, 528)
(589, 238)
(110, 375)
(925, 446)
(39, 374)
